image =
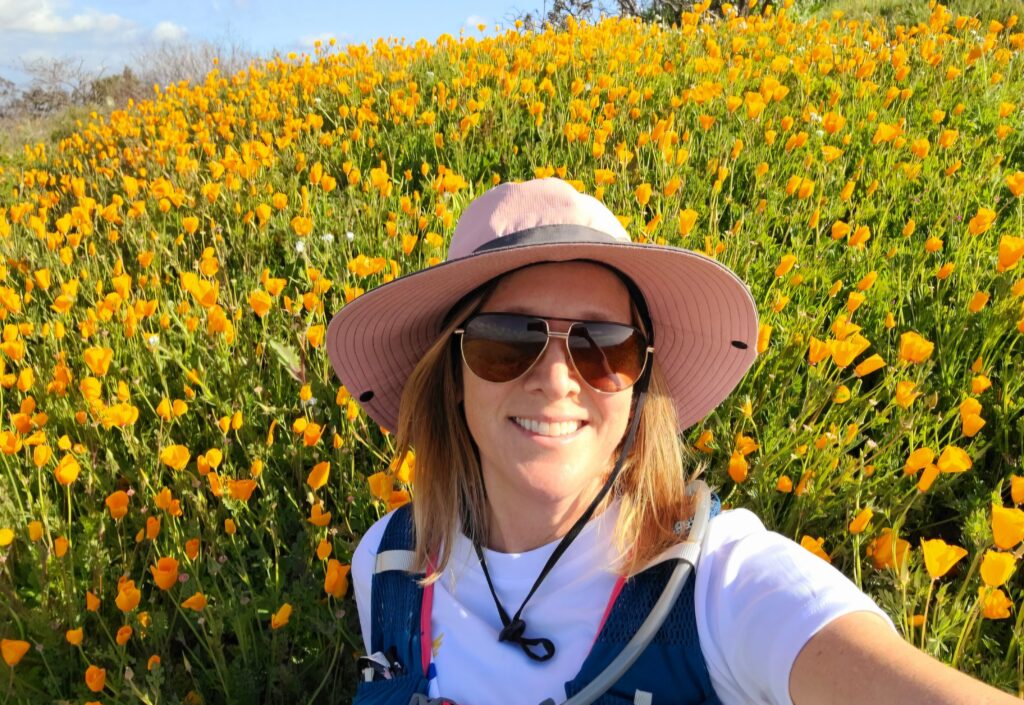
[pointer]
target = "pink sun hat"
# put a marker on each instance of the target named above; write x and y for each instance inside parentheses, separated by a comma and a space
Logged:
(703, 317)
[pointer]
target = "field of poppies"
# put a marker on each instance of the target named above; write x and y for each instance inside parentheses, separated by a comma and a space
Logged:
(183, 482)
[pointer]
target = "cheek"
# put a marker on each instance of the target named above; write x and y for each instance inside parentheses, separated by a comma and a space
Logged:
(473, 398)
(617, 418)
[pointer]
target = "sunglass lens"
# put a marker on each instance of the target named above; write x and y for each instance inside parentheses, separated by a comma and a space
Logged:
(609, 356)
(500, 348)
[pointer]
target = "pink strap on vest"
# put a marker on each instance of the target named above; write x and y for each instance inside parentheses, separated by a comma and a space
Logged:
(619, 583)
(426, 609)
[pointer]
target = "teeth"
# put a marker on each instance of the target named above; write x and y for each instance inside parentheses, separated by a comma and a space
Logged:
(543, 428)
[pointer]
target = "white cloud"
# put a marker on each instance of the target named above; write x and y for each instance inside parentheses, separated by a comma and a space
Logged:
(169, 32)
(51, 17)
(475, 20)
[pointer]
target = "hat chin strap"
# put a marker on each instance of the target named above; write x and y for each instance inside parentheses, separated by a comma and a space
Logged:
(514, 628)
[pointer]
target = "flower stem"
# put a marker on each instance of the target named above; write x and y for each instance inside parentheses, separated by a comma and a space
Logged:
(927, 604)
(968, 624)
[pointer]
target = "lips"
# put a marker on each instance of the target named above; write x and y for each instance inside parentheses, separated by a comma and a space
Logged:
(552, 429)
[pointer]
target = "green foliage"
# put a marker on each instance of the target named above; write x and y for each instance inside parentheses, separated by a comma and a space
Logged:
(858, 154)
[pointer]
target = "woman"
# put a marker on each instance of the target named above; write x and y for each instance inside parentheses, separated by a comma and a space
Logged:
(542, 375)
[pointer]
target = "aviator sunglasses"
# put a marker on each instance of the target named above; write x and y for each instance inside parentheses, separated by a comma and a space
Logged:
(502, 347)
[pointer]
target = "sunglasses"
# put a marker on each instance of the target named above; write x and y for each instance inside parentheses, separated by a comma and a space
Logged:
(502, 347)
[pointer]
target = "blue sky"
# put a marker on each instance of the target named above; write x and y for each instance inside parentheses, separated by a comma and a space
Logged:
(107, 34)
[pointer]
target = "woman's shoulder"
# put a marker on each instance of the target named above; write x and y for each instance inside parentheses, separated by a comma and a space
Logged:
(734, 524)
(738, 538)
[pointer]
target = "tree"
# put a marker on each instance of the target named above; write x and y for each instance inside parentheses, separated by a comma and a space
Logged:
(8, 94)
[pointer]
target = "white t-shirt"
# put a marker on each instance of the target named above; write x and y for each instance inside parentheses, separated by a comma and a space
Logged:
(759, 597)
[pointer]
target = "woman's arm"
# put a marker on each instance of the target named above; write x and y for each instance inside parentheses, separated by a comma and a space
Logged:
(858, 659)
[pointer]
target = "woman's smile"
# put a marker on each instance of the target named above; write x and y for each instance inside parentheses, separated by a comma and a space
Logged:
(561, 430)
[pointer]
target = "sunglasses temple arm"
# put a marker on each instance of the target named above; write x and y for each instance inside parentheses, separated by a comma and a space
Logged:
(604, 358)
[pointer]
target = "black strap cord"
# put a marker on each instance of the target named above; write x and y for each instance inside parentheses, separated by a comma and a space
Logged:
(514, 628)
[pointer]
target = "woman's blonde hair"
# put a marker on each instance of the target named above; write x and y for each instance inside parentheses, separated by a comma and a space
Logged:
(448, 490)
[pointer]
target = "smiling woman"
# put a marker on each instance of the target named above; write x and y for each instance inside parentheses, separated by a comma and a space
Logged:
(545, 438)
(543, 374)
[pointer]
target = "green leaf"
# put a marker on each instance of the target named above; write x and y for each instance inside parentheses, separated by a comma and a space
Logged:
(289, 357)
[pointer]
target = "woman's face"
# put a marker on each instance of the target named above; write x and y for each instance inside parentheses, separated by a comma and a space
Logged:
(564, 459)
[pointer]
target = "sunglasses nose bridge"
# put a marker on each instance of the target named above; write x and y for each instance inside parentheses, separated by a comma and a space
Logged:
(571, 372)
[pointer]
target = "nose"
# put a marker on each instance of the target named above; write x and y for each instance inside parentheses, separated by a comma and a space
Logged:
(554, 373)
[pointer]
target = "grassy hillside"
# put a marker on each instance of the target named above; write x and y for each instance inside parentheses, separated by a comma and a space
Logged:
(182, 482)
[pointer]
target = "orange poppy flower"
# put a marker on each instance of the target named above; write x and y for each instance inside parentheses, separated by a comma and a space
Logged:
(994, 603)
(13, 650)
(915, 347)
(1017, 489)
(336, 580)
(318, 476)
(1011, 250)
(117, 503)
(241, 489)
(940, 557)
(1007, 526)
(95, 678)
(281, 617)
(861, 521)
(196, 603)
(997, 567)
(981, 222)
(738, 467)
(318, 517)
(67, 470)
(260, 302)
(687, 219)
(128, 596)
(816, 546)
(954, 459)
(871, 364)
(888, 550)
(165, 573)
(175, 456)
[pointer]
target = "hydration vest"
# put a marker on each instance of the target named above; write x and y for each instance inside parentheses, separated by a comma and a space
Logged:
(670, 671)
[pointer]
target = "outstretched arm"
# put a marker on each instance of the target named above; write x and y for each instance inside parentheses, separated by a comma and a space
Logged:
(858, 659)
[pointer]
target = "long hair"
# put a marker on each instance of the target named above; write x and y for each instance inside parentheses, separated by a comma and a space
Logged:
(448, 489)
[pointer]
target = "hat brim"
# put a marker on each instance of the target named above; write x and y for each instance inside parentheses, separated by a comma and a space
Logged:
(704, 319)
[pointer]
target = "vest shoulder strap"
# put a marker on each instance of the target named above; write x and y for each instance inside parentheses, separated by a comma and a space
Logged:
(395, 594)
(672, 667)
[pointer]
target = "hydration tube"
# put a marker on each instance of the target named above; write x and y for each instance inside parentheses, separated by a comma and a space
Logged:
(686, 561)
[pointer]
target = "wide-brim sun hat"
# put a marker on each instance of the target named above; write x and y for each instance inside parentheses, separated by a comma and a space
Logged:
(703, 316)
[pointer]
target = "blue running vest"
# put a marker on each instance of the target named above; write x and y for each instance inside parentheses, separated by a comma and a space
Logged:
(671, 671)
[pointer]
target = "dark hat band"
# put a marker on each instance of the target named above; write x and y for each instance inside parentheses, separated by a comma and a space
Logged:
(546, 235)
